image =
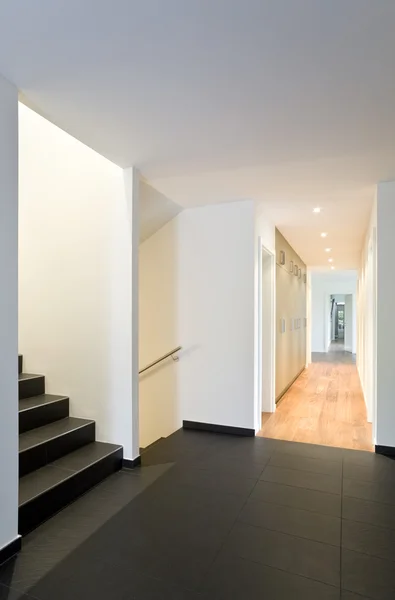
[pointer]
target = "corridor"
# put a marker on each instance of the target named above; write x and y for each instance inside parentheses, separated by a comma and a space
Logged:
(219, 517)
(325, 405)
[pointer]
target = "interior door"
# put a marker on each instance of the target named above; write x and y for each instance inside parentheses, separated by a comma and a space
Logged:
(348, 321)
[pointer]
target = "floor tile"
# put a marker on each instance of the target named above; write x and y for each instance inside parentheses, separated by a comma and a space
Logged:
(369, 490)
(383, 472)
(232, 578)
(303, 463)
(274, 549)
(232, 483)
(368, 576)
(363, 537)
(7, 594)
(310, 450)
(303, 479)
(376, 513)
(223, 464)
(301, 523)
(285, 495)
(183, 565)
(351, 596)
(363, 458)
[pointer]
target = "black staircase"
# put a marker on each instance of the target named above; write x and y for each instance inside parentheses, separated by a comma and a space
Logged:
(59, 458)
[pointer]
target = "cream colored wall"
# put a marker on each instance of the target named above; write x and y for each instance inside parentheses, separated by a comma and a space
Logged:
(291, 306)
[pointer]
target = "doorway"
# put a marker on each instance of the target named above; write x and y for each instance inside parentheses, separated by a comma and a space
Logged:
(266, 333)
(341, 324)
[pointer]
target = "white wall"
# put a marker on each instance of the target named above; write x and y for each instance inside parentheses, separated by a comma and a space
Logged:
(385, 314)
(160, 402)
(8, 313)
(322, 286)
(75, 279)
(197, 291)
(264, 236)
(367, 298)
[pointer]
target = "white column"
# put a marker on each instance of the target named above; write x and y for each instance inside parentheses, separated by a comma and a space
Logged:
(8, 313)
(385, 314)
(132, 186)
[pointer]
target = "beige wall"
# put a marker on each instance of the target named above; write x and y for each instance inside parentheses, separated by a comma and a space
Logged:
(290, 306)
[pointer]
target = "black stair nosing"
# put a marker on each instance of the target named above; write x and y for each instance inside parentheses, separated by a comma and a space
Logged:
(41, 451)
(41, 507)
(30, 384)
(37, 411)
(41, 401)
(28, 376)
(44, 440)
(69, 473)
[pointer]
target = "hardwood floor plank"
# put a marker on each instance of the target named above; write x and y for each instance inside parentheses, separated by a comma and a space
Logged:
(325, 406)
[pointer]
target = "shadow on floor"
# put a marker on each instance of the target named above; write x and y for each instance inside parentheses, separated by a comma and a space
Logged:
(216, 517)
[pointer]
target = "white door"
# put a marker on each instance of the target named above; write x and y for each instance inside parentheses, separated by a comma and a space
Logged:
(348, 321)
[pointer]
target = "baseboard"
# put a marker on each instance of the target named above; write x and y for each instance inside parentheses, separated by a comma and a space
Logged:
(10, 550)
(227, 429)
(385, 450)
(128, 463)
(285, 390)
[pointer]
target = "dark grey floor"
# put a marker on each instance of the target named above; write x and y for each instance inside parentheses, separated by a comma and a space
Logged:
(214, 517)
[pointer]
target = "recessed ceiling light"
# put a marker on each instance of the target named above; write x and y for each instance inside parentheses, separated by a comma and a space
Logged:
(324, 234)
(328, 249)
(317, 209)
(332, 268)
(330, 259)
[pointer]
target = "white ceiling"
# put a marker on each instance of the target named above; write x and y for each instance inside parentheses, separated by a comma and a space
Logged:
(291, 102)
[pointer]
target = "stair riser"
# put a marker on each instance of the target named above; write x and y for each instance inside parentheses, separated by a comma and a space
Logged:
(42, 454)
(39, 509)
(20, 363)
(31, 387)
(42, 415)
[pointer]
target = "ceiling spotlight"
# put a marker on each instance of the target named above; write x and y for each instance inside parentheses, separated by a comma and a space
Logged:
(330, 259)
(317, 209)
(324, 234)
(328, 249)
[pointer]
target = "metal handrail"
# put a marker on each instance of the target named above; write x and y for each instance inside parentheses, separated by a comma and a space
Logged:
(162, 358)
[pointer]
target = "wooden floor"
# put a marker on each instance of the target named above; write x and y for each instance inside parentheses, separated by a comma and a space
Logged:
(324, 406)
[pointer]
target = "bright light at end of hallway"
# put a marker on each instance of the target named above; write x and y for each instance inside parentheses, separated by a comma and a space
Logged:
(324, 234)
(330, 259)
(333, 268)
(317, 210)
(328, 249)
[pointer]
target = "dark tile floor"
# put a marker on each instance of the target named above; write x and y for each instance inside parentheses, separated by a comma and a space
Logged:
(214, 517)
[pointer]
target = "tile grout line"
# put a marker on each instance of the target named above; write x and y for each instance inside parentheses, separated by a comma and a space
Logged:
(231, 528)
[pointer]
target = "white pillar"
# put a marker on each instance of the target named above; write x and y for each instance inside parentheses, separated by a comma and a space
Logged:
(8, 313)
(132, 186)
(385, 314)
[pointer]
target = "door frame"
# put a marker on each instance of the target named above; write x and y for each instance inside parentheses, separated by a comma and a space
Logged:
(271, 343)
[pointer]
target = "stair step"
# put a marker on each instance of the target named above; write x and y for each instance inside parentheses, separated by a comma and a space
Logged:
(20, 363)
(50, 488)
(31, 385)
(46, 444)
(41, 410)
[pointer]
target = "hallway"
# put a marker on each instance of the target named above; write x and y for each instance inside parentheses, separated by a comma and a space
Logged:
(325, 405)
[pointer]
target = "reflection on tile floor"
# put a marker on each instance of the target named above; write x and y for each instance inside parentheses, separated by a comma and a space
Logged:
(216, 517)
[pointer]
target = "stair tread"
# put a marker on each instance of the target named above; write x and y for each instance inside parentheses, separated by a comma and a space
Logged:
(52, 430)
(37, 482)
(35, 401)
(29, 376)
